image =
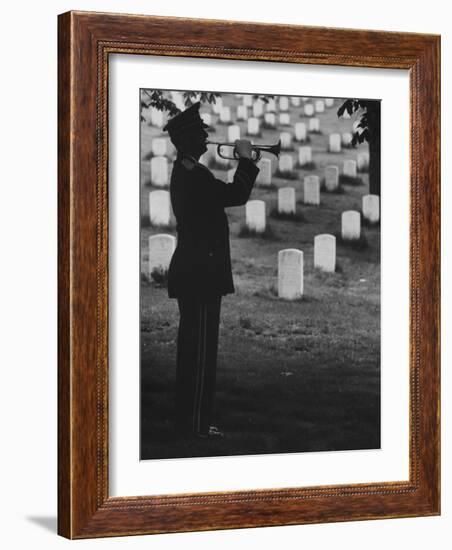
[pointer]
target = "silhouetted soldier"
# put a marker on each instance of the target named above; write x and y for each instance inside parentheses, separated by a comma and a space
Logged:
(200, 270)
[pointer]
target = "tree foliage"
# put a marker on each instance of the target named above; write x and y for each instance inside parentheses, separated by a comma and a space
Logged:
(162, 100)
(368, 124)
(367, 129)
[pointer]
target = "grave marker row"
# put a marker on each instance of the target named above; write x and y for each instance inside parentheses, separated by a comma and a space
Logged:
(291, 266)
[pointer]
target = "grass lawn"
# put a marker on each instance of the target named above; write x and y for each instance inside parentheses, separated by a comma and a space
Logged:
(292, 376)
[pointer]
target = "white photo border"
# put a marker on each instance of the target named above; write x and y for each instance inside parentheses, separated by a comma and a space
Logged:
(127, 474)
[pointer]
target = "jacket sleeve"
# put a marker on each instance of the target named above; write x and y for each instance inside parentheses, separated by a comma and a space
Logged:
(239, 191)
(204, 191)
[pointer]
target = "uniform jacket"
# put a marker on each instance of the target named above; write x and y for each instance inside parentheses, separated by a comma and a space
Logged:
(201, 263)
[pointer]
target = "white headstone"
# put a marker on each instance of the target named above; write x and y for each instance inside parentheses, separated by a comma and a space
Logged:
(242, 112)
(286, 140)
(271, 106)
(248, 100)
(207, 118)
(329, 102)
(325, 252)
(351, 225)
(371, 208)
(225, 114)
(290, 274)
(283, 103)
(314, 124)
(253, 126)
(304, 155)
(284, 119)
(300, 131)
(335, 143)
(159, 171)
(255, 215)
(286, 200)
(233, 132)
(161, 249)
(264, 176)
(311, 186)
(159, 208)
(362, 161)
(296, 101)
(159, 147)
(319, 106)
(285, 163)
(270, 119)
(347, 139)
(350, 168)
(331, 178)
(258, 108)
(156, 117)
(218, 105)
(308, 109)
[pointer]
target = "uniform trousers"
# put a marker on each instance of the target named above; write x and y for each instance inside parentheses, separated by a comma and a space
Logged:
(197, 346)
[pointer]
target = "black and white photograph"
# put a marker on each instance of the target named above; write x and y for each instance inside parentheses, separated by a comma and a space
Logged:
(260, 274)
(225, 228)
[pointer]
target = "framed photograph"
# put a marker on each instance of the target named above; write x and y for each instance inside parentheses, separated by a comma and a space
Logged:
(248, 275)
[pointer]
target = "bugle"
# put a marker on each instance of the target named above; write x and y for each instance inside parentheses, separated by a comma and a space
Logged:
(256, 149)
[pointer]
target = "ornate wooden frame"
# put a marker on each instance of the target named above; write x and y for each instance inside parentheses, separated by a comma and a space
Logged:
(85, 508)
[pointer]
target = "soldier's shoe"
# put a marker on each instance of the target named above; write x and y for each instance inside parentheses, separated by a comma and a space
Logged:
(212, 433)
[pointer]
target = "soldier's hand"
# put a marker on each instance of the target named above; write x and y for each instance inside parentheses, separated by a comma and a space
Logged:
(243, 148)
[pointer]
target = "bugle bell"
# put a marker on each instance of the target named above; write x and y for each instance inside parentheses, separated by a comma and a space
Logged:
(256, 149)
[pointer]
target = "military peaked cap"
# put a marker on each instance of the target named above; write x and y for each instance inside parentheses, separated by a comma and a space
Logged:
(186, 120)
